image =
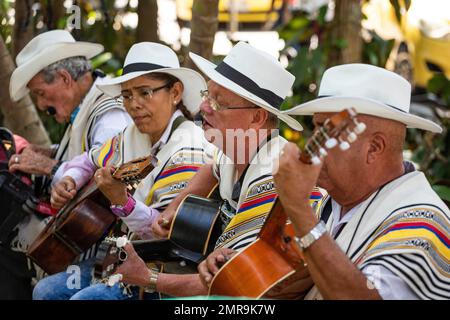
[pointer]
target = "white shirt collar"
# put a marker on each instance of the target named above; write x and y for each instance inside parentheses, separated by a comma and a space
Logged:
(337, 222)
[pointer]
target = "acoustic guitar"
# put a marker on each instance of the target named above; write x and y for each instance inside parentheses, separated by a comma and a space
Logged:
(274, 256)
(193, 233)
(83, 221)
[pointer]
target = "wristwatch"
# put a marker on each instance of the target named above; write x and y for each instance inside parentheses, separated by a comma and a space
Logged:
(307, 240)
(151, 288)
(124, 211)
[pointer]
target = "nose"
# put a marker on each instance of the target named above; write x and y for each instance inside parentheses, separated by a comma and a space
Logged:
(206, 108)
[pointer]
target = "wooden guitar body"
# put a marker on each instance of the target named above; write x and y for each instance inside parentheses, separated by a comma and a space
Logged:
(251, 272)
(82, 222)
(74, 230)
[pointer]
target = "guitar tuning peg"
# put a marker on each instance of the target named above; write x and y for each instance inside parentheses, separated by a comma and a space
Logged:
(360, 127)
(129, 188)
(135, 186)
(115, 278)
(331, 143)
(351, 137)
(344, 145)
(315, 160)
(121, 241)
(323, 152)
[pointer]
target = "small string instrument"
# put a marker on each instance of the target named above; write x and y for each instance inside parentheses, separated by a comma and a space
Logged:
(274, 256)
(192, 236)
(83, 221)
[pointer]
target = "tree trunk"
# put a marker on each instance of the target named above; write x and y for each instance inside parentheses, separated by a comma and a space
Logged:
(345, 33)
(204, 25)
(147, 29)
(23, 25)
(53, 11)
(21, 117)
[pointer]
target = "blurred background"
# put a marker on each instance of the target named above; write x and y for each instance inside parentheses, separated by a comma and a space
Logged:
(410, 37)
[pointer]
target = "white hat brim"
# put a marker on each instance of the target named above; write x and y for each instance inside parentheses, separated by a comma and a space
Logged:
(192, 81)
(25, 72)
(208, 68)
(363, 106)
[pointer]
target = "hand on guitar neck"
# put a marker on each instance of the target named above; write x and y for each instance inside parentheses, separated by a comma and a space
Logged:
(114, 190)
(112, 182)
(134, 271)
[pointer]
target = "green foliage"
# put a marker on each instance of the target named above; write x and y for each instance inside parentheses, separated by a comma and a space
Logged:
(432, 151)
(5, 21)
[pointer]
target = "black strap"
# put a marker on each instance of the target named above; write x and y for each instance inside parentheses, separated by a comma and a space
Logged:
(176, 123)
(249, 85)
(138, 67)
(326, 211)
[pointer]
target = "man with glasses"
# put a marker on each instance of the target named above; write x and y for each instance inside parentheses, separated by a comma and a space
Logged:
(240, 113)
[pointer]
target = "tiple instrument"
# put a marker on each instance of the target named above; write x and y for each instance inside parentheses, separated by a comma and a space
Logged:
(274, 256)
(192, 236)
(83, 221)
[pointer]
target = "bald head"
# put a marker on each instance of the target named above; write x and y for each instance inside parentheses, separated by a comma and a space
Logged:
(393, 132)
(375, 158)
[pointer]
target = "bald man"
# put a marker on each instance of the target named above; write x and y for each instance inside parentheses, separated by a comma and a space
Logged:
(387, 231)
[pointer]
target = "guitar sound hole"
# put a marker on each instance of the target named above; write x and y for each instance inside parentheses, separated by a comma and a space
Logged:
(287, 239)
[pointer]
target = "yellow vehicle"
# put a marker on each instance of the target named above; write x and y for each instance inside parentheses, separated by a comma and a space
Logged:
(422, 36)
(249, 14)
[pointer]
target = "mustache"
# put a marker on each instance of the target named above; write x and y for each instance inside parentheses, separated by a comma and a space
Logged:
(51, 111)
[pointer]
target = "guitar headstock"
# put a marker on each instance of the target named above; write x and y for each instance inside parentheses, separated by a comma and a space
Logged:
(110, 255)
(341, 129)
(131, 173)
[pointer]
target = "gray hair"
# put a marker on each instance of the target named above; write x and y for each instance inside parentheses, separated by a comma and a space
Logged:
(75, 66)
(273, 120)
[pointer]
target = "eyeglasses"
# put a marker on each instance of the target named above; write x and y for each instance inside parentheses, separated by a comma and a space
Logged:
(215, 105)
(144, 93)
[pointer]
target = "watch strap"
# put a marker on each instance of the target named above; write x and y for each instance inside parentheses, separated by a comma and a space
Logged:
(306, 241)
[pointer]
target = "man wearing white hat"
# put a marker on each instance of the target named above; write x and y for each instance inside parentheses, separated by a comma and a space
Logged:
(55, 69)
(244, 96)
(387, 232)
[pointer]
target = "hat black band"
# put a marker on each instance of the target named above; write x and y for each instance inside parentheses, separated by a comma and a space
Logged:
(249, 85)
(328, 96)
(138, 67)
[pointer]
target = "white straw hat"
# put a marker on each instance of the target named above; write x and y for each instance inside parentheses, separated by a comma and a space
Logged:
(255, 76)
(42, 51)
(149, 57)
(370, 90)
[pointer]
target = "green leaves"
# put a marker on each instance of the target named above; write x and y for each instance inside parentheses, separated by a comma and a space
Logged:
(443, 192)
(440, 85)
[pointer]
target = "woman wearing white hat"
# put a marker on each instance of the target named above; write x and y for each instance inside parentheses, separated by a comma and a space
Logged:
(161, 98)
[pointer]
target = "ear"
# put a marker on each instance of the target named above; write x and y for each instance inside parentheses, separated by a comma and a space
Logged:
(177, 92)
(377, 147)
(65, 77)
(259, 119)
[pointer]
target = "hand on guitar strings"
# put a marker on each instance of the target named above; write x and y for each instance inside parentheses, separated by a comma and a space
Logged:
(113, 189)
(63, 192)
(211, 265)
(133, 270)
(161, 226)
